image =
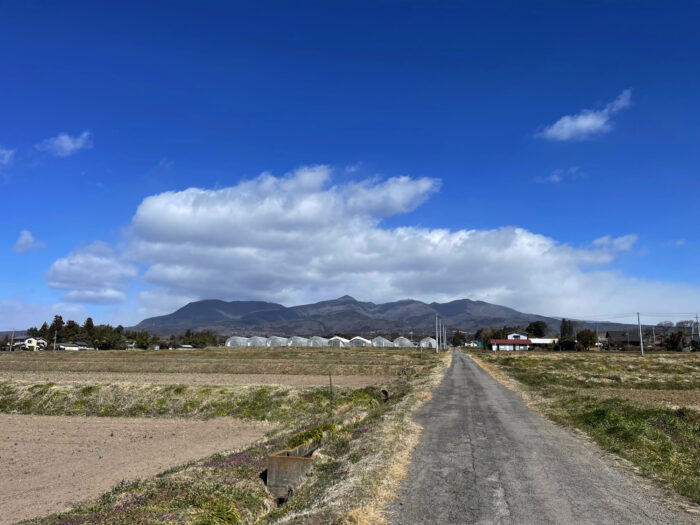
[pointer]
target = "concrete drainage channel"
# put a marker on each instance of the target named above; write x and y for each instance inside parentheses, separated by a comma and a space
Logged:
(287, 468)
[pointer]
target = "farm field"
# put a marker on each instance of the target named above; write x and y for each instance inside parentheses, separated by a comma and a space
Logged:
(168, 378)
(50, 462)
(646, 410)
(237, 404)
(253, 361)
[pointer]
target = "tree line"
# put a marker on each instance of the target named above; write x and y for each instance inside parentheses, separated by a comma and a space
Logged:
(108, 337)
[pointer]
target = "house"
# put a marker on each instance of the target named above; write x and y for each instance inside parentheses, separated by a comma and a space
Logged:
(543, 341)
(338, 341)
(34, 343)
(516, 341)
(402, 342)
(380, 341)
(428, 342)
(360, 341)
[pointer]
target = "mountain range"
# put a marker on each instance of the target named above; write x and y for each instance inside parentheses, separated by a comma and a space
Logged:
(345, 315)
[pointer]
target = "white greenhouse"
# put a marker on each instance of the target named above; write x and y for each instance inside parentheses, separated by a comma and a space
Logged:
(257, 341)
(318, 341)
(428, 342)
(402, 342)
(277, 341)
(360, 341)
(298, 341)
(237, 341)
(382, 341)
(338, 341)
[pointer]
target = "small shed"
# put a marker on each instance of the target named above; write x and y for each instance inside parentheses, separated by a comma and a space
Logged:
(360, 341)
(298, 341)
(236, 341)
(382, 341)
(338, 341)
(403, 342)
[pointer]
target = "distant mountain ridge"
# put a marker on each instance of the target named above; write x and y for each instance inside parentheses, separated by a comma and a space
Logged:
(343, 315)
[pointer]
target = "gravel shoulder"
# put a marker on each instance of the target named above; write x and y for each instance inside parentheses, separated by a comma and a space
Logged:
(355, 381)
(50, 462)
(484, 457)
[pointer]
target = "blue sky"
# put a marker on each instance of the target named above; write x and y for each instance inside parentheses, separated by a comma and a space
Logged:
(108, 114)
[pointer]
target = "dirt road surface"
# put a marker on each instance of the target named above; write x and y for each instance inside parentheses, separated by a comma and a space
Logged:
(49, 462)
(484, 457)
(354, 381)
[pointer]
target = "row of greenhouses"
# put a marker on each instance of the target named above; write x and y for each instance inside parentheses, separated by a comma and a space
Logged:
(336, 341)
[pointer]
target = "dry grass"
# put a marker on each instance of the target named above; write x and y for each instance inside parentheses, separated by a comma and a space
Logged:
(371, 475)
(280, 361)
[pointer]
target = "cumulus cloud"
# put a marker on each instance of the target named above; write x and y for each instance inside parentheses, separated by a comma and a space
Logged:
(6, 156)
(93, 274)
(300, 238)
(26, 243)
(65, 145)
(587, 123)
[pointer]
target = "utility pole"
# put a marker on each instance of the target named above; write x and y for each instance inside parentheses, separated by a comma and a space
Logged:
(437, 339)
(641, 341)
(54, 339)
(12, 342)
(653, 336)
(444, 339)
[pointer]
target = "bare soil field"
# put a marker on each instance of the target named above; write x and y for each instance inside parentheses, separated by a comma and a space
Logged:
(49, 462)
(354, 381)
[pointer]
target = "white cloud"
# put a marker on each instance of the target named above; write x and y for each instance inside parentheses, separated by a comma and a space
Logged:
(586, 123)
(300, 238)
(64, 145)
(94, 274)
(560, 175)
(675, 243)
(6, 156)
(616, 244)
(26, 242)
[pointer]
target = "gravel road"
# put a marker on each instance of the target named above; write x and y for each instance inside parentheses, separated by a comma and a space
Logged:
(484, 457)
